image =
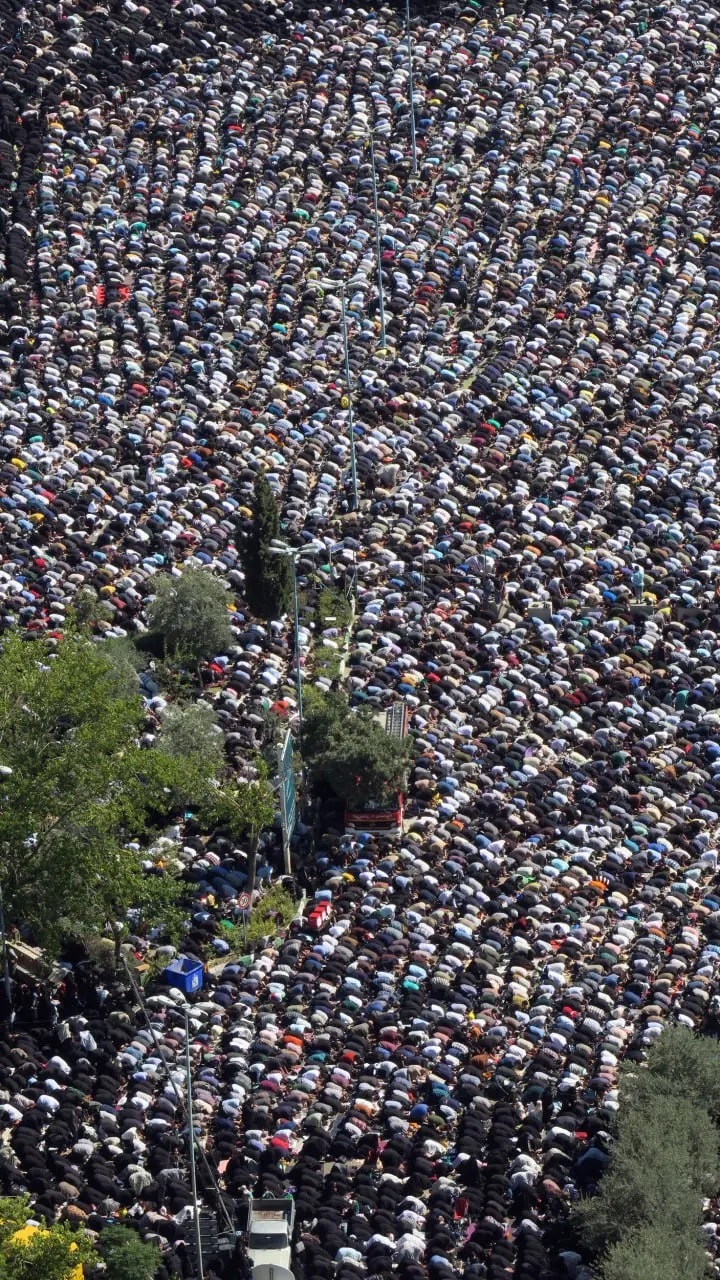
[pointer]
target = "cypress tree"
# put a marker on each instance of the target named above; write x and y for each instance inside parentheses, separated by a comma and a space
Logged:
(268, 578)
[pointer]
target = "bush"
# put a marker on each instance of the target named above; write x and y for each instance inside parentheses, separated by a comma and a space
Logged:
(656, 1253)
(682, 1065)
(274, 912)
(101, 953)
(664, 1160)
(54, 1252)
(90, 610)
(327, 662)
(126, 1256)
(333, 605)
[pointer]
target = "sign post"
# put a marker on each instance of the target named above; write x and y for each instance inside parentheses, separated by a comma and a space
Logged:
(244, 905)
(288, 798)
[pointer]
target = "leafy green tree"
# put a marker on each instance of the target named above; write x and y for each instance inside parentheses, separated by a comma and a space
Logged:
(190, 731)
(268, 577)
(656, 1253)
(126, 662)
(46, 1253)
(190, 613)
(680, 1064)
(245, 809)
(76, 789)
(645, 1222)
(90, 609)
(159, 903)
(665, 1158)
(325, 714)
(126, 1256)
(272, 731)
(350, 753)
(15, 1211)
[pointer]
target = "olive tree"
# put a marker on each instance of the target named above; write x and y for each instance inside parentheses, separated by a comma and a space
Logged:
(190, 614)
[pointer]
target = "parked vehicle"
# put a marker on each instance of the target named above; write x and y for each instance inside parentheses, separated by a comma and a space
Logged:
(270, 1227)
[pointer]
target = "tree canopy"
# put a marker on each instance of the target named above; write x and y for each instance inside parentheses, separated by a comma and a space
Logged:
(268, 577)
(245, 809)
(349, 752)
(644, 1223)
(192, 730)
(76, 789)
(656, 1253)
(126, 1256)
(46, 1253)
(189, 612)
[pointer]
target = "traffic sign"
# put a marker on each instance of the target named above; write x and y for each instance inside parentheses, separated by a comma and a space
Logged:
(243, 901)
(288, 798)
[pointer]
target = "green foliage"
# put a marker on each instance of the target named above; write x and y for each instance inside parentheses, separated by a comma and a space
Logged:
(190, 731)
(327, 661)
(151, 970)
(333, 609)
(274, 728)
(350, 753)
(190, 613)
(645, 1222)
(176, 683)
(90, 610)
(245, 809)
(682, 1065)
(126, 1256)
(268, 578)
(273, 913)
(52, 1253)
(79, 791)
(656, 1253)
(664, 1160)
(101, 953)
(126, 663)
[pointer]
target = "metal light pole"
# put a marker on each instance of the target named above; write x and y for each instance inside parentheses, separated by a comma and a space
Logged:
(191, 1140)
(412, 90)
(348, 392)
(381, 298)
(298, 669)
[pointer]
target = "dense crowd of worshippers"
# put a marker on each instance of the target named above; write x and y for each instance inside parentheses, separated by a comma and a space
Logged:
(184, 189)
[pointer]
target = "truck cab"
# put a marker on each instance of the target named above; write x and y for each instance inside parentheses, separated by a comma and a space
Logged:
(270, 1228)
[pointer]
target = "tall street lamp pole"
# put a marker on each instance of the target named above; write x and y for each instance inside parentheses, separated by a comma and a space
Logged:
(191, 1140)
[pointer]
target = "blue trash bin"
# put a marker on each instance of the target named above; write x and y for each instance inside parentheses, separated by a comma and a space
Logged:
(185, 974)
